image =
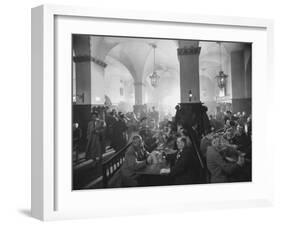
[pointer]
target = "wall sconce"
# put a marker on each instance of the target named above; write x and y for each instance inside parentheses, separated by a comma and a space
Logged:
(79, 98)
(190, 95)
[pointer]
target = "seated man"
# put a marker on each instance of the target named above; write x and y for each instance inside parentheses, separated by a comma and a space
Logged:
(242, 141)
(149, 140)
(205, 142)
(187, 166)
(220, 169)
(136, 158)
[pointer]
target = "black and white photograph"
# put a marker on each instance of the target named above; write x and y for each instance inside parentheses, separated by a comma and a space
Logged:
(140, 112)
(157, 112)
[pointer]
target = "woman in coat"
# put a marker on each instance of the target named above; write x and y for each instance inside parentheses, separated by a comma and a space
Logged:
(94, 146)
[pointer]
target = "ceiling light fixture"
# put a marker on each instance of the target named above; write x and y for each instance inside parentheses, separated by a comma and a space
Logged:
(154, 78)
(221, 77)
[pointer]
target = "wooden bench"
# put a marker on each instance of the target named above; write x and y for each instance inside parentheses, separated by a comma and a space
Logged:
(84, 173)
(111, 169)
(88, 174)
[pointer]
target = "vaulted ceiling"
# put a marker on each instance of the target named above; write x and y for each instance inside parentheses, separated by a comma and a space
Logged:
(133, 57)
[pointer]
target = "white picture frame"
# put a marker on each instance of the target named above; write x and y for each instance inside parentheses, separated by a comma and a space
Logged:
(52, 197)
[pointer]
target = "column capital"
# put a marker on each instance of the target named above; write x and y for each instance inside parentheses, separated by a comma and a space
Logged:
(192, 50)
(87, 58)
(139, 84)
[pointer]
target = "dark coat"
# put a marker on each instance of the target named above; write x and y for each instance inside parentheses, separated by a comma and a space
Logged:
(119, 135)
(187, 168)
(244, 144)
(134, 161)
(219, 168)
(94, 146)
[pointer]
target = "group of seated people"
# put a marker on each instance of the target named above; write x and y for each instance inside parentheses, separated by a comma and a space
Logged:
(223, 155)
(228, 151)
(184, 171)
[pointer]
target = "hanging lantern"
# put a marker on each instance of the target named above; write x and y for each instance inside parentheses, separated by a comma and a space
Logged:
(154, 78)
(221, 78)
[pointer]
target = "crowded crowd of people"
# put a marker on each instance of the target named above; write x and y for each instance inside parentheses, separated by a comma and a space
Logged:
(110, 128)
(228, 149)
(222, 155)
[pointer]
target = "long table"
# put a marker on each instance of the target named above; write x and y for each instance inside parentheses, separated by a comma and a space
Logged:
(150, 175)
(153, 169)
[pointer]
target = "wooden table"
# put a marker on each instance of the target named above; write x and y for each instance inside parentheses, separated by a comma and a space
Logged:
(153, 169)
(170, 151)
(150, 175)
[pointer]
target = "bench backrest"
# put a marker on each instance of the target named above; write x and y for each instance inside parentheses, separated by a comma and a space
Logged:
(112, 165)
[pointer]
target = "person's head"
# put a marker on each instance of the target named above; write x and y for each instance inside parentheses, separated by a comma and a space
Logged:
(239, 129)
(153, 108)
(232, 123)
(152, 123)
(136, 141)
(114, 112)
(216, 142)
(179, 127)
(183, 132)
(94, 115)
(227, 123)
(143, 121)
(229, 134)
(183, 142)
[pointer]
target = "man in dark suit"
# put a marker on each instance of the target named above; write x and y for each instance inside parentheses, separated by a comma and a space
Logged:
(187, 166)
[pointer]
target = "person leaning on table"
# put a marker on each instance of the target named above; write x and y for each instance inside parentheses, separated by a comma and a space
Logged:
(187, 166)
(218, 167)
(136, 158)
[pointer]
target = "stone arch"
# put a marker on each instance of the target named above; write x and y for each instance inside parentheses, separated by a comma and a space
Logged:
(119, 84)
